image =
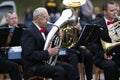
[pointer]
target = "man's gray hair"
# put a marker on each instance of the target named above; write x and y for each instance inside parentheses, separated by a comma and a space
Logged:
(39, 11)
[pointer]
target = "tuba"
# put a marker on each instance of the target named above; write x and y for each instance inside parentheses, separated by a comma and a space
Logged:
(66, 17)
(114, 33)
(69, 33)
(69, 36)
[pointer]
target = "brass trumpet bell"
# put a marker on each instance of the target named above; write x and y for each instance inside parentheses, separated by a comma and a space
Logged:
(74, 3)
(109, 46)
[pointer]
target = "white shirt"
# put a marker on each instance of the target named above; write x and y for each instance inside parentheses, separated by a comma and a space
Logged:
(40, 29)
(109, 28)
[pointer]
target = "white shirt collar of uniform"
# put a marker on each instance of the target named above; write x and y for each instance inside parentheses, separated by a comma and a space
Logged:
(36, 25)
(109, 27)
(106, 20)
(11, 26)
(40, 29)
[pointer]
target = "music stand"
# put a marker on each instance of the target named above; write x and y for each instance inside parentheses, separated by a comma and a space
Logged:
(15, 41)
(89, 34)
(3, 36)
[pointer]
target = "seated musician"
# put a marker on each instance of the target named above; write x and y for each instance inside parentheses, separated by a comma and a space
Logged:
(71, 54)
(85, 57)
(7, 66)
(12, 22)
(34, 57)
(108, 61)
(75, 54)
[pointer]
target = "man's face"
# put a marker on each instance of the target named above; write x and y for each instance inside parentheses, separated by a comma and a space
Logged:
(12, 19)
(111, 12)
(44, 19)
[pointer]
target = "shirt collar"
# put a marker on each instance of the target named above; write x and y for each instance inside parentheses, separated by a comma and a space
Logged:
(37, 25)
(106, 20)
(11, 26)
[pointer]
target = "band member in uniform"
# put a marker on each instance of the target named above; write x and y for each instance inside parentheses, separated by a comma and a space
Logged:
(12, 23)
(110, 61)
(7, 66)
(70, 33)
(34, 57)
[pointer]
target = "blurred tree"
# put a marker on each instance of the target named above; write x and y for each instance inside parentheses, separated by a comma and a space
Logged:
(22, 5)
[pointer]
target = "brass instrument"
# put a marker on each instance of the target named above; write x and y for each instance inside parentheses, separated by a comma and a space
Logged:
(64, 18)
(108, 46)
(69, 33)
(114, 33)
(74, 3)
(114, 30)
(69, 36)
(56, 42)
(67, 16)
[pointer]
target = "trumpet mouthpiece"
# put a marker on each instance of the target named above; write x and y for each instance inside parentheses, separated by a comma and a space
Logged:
(49, 23)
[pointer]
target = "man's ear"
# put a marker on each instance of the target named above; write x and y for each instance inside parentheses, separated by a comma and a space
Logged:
(104, 12)
(6, 20)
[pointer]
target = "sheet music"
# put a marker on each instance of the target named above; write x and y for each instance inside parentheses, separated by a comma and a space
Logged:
(15, 49)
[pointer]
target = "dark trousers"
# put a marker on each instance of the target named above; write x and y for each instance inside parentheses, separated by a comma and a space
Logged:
(61, 71)
(109, 67)
(72, 59)
(87, 58)
(75, 56)
(11, 68)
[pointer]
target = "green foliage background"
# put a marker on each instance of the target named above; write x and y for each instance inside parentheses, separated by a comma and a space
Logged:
(22, 5)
